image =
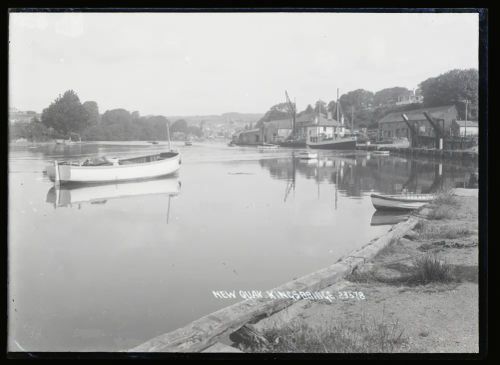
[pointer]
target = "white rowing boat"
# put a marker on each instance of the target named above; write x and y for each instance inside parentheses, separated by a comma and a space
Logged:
(106, 170)
(400, 201)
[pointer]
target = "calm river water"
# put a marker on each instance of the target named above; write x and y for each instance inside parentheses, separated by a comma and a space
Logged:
(105, 268)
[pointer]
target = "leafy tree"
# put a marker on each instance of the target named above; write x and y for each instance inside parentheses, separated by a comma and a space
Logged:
(358, 99)
(179, 125)
(453, 87)
(331, 106)
(158, 126)
(92, 111)
(308, 110)
(95, 132)
(195, 131)
(320, 107)
(66, 114)
(276, 112)
(33, 130)
(117, 125)
(116, 116)
(389, 95)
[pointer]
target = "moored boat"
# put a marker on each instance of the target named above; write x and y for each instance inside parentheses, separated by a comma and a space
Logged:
(268, 146)
(293, 144)
(104, 170)
(381, 153)
(341, 143)
(400, 201)
(306, 155)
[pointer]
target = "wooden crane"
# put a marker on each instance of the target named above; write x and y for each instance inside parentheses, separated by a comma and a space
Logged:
(413, 131)
(438, 131)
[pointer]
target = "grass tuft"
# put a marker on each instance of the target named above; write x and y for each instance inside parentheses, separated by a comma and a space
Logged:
(363, 337)
(430, 269)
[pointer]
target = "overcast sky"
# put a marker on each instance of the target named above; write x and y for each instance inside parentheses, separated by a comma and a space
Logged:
(193, 64)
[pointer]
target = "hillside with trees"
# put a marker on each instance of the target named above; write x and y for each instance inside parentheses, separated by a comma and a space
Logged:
(367, 107)
(453, 87)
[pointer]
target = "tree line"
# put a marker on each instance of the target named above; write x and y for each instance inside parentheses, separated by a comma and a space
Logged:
(450, 88)
(66, 117)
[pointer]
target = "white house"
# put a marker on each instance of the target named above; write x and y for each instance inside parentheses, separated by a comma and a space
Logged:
(324, 128)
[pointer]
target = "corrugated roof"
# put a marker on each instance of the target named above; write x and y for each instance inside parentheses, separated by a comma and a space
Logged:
(470, 123)
(447, 112)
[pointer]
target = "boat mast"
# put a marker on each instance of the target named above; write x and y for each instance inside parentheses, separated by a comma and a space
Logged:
(168, 136)
(292, 111)
(338, 120)
(352, 119)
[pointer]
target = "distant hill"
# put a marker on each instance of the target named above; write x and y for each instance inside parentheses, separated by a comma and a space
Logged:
(225, 118)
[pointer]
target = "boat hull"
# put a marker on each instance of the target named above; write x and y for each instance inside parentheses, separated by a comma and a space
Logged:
(381, 153)
(307, 155)
(103, 174)
(341, 144)
(293, 144)
(381, 202)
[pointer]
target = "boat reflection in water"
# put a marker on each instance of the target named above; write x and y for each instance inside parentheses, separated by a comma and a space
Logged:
(67, 196)
(382, 218)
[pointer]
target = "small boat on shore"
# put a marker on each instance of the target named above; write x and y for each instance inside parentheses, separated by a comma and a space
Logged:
(188, 143)
(400, 201)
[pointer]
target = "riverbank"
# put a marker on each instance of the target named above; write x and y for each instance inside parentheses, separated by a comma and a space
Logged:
(420, 295)
(412, 290)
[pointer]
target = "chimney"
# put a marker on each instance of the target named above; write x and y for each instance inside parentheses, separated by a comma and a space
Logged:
(329, 115)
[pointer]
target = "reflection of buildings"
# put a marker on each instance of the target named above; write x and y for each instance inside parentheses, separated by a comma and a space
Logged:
(355, 175)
